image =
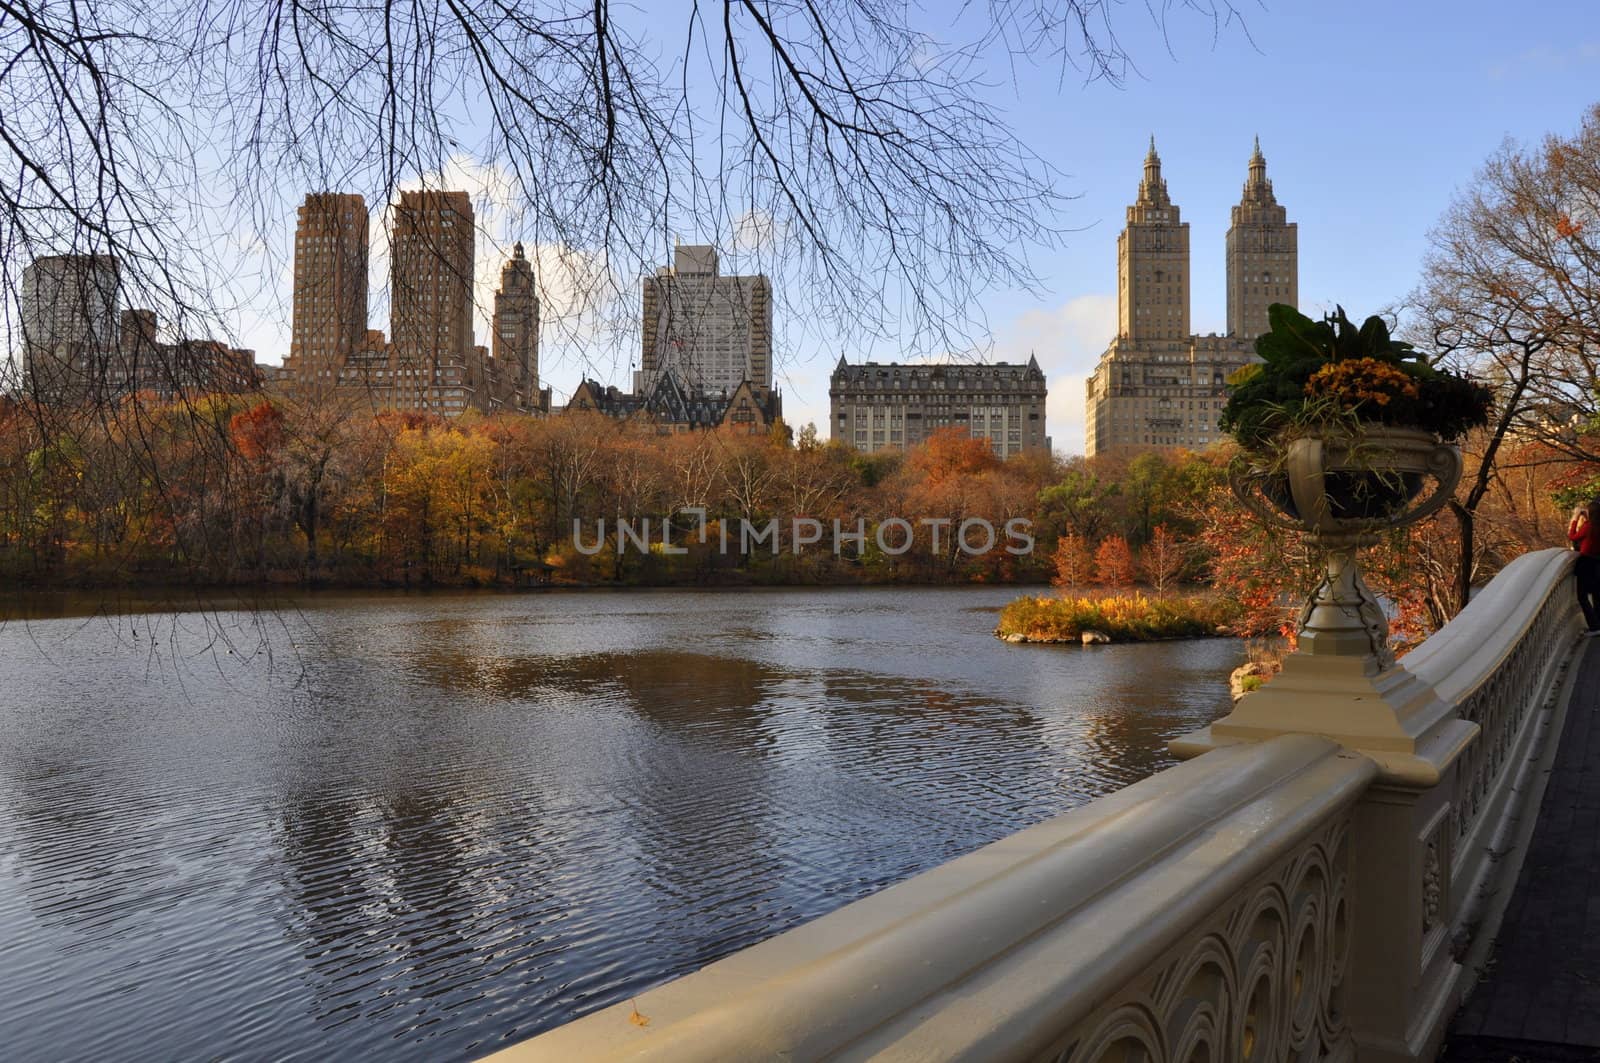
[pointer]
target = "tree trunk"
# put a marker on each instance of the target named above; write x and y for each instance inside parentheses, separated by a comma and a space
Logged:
(1464, 558)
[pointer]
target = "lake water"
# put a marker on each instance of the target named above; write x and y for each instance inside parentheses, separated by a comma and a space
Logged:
(424, 826)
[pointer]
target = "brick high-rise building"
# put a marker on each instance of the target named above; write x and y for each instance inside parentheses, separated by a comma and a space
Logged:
(430, 361)
(713, 331)
(516, 330)
(1157, 386)
(430, 316)
(330, 289)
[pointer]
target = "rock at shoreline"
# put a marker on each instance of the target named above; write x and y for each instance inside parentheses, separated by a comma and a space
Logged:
(1239, 674)
(1014, 637)
(1095, 638)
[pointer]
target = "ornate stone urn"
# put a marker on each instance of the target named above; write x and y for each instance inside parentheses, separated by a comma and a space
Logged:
(1343, 682)
(1341, 491)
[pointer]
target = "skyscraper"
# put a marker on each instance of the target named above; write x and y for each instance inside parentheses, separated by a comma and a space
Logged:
(1157, 386)
(1263, 254)
(69, 324)
(713, 331)
(516, 330)
(430, 317)
(1153, 263)
(330, 289)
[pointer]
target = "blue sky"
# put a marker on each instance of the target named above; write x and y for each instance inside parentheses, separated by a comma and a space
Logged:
(1371, 116)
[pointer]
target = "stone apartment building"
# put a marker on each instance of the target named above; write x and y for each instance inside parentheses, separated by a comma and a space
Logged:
(892, 406)
(1158, 386)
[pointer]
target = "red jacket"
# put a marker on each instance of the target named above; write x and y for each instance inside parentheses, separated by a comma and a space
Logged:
(1586, 535)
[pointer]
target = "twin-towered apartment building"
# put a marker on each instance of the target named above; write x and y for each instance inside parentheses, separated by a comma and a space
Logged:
(429, 360)
(706, 337)
(1157, 385)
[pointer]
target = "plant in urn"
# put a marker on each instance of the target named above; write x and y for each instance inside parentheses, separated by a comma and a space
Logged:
(1342, 430)
(1345, 432)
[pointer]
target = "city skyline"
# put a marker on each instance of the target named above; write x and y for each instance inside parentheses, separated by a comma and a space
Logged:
(1335, 133)
(1373, 141)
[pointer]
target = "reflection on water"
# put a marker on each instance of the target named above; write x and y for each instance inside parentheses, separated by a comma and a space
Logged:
(425, 825)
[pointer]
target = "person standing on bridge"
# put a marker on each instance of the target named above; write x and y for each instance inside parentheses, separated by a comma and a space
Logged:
(1584, 531)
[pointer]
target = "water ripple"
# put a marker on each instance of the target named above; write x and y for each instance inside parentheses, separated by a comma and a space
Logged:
(433, 825)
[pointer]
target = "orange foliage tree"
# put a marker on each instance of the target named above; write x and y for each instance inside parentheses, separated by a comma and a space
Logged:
(1113, 562)
(1074, 563)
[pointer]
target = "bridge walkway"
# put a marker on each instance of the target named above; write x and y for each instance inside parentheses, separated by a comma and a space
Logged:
(1539, 998)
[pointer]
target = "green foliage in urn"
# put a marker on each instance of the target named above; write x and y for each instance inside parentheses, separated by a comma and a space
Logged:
(1318, 374)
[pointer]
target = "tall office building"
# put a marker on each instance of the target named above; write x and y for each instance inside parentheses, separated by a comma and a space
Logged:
(1157, 386)
(516, 330)
(894, 406)
(330, 289)
(430, 316)
(68, 307)
(713, 331)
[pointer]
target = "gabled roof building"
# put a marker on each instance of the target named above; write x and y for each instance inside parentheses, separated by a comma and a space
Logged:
(673, 407)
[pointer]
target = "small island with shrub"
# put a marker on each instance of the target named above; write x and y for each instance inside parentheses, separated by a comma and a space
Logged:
(1114, 617)
(1098, 601)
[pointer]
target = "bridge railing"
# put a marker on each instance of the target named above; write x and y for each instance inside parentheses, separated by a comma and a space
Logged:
(1499, 665)
(1289, 896)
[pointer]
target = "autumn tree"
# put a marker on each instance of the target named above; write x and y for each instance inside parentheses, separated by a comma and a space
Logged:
(1508, 292)
(948, 454)
(634, 483)
(1268, 571)
(1073, 561)
(259, 439)
(521, 508)
(814, 478)
(1079, 502)
(569, 452)
(749, 478)
(1113, 562)
(1163, 559)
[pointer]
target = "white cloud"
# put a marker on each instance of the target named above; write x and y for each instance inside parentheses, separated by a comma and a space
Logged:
(1068, 341)
(755, 231)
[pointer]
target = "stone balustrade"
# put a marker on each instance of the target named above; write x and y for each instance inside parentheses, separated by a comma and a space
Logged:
(1499, 664)
(1303, 890)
